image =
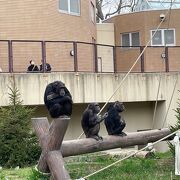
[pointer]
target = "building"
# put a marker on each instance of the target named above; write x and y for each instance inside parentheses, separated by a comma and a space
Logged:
(133, 31)
(26, 25)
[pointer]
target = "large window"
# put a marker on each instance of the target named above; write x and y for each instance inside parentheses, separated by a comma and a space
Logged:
(163, 37)
(70, 6)
(130, 39)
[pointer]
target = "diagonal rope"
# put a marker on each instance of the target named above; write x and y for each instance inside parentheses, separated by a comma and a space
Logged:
(155, 107)
(120, 84)
(130, 155)
(165, 118)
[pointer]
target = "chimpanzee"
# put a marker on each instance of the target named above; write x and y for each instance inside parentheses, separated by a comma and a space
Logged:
(91, 121)
(114, 122)
(58, 99)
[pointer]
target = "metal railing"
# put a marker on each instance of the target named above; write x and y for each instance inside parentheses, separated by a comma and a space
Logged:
(74, 56)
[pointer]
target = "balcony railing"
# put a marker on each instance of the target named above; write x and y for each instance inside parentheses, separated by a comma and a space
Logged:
(72, 56)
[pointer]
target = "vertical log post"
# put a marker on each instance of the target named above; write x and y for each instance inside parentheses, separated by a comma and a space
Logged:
(41, 127)
(50, 138)
(56, 166)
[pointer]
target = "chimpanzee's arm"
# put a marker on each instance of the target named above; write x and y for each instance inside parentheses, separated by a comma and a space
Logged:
(93, 119)
(100, 119)
(63, 99)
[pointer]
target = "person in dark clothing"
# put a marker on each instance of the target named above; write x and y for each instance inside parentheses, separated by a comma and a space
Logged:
(47, 67)
(32, 67)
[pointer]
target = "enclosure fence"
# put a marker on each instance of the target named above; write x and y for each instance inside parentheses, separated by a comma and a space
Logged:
(74, 56)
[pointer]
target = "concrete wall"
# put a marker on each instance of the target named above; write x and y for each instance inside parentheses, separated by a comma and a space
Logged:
(89, 87)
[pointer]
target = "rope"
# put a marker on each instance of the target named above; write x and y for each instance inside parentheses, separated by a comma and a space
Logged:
(130, 155)
(155, 107)
(165, 118)
(45, 174)
(120, 84)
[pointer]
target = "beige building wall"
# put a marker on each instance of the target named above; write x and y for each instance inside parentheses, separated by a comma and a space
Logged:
(105, 35)
(42, 20)
(143, 22)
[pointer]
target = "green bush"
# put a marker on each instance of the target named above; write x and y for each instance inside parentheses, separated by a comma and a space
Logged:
(18, 146)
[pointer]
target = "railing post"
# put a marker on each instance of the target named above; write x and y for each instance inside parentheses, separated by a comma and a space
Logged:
(166, 59)
(10, 56)
(142, 59)
(75, 57)
(114, 59)
(95, 58)
(43, 48)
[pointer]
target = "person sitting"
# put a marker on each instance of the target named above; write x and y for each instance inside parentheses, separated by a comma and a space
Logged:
(32, 67)
(47, 67)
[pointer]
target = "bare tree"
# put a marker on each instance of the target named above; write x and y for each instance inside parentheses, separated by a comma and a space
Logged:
(108, 8)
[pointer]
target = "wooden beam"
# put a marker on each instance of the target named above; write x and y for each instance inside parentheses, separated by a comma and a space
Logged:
(89, 145)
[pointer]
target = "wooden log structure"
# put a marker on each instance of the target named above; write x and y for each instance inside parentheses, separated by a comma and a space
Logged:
(56, 165)
(89, 145)
(50, 138)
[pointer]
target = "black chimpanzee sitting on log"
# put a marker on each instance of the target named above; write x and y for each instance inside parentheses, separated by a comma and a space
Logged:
(58, 99)
(114, 122)
(91, 121)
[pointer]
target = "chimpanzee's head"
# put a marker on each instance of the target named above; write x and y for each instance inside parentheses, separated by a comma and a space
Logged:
(59, 88)
(119, 106)
(95, 107)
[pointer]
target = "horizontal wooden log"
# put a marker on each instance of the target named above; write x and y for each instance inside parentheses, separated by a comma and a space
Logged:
(89, 145)
(124, 153)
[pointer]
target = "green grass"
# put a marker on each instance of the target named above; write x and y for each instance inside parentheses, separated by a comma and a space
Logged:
(15, 174)
(159, 167)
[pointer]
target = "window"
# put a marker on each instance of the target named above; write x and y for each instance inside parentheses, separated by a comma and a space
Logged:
(163, 37)
(70, 6)
(92, 13)
(130, 39)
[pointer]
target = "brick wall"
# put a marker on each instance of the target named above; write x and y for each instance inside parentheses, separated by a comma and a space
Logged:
(42, 20)
(144, 22)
